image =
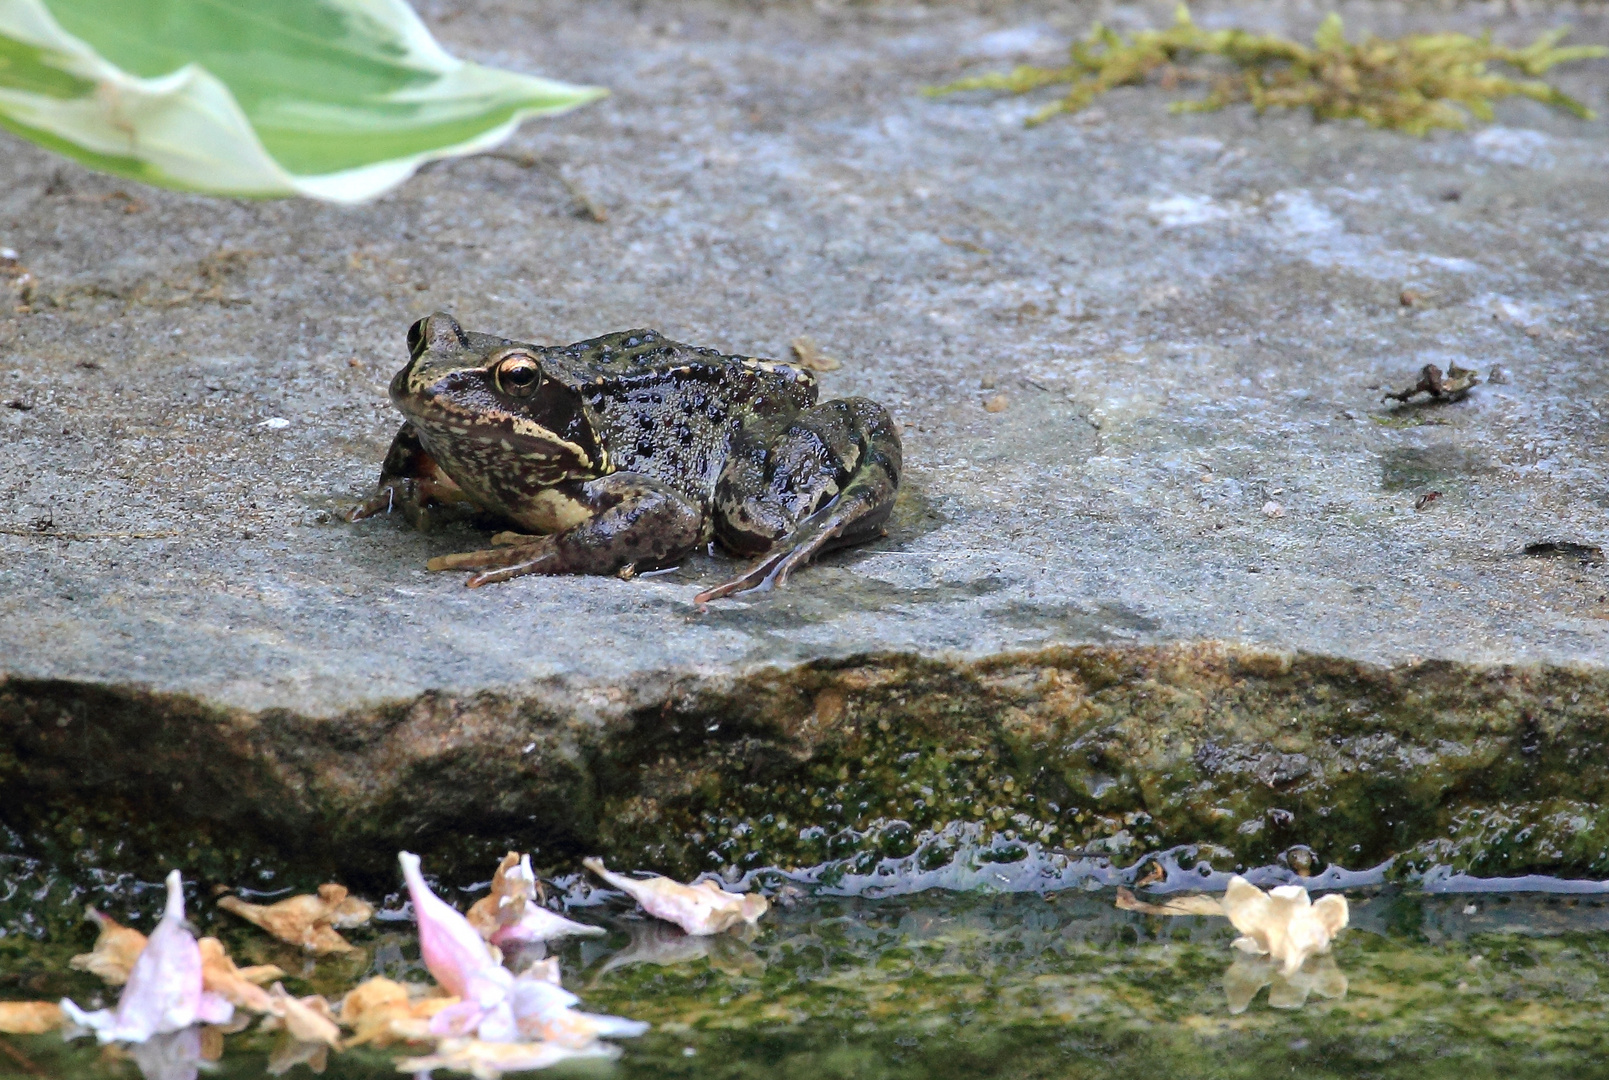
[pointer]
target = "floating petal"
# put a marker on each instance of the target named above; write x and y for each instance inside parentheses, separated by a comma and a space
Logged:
(451, 948)
(240, 986)
(510, 912)
(306, 1019)
(164, 991)
(383, 1012)
(308, 920)
(116, 949)
(704, 908)
(1283, 923)
(30, 1017)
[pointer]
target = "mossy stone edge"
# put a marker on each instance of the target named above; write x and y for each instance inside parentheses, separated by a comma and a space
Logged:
(1255, 756)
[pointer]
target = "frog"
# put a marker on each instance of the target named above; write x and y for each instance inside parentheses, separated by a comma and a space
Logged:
(624, 453)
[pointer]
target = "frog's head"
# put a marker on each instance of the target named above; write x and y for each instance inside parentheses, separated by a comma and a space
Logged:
(486, 406)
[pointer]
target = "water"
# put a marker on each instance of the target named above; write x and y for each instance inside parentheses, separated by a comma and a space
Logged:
(979, 985)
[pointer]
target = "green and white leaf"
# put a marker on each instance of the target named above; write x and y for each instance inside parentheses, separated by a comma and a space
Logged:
(334, 99)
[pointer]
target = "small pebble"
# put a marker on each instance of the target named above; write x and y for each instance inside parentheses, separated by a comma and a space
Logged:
(275, 423)
(996, 404)
(1273, 509)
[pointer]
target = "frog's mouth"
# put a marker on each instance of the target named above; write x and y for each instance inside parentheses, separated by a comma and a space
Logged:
(483, 440)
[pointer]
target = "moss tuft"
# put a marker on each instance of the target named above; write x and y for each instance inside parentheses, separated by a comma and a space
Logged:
(1410, 84)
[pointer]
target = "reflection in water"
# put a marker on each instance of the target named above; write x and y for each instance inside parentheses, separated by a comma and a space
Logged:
(289, 1052)
(659, 943)
(1249, 974)
(175, 1055)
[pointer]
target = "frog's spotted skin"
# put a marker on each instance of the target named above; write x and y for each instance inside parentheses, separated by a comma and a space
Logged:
(629, 450)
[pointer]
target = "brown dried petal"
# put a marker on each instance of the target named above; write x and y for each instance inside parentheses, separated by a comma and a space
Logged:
(220, 975)
(504, 905)
(807, 354)
(30, 1017)
(383, 1012)
(307, 1019)
(300, 920)
(115, 950)
(350, 913)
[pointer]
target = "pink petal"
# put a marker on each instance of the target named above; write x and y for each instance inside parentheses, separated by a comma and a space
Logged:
(214, 1008)
(537, 923)
(452, 949)
(163, 993)
(457, 1020)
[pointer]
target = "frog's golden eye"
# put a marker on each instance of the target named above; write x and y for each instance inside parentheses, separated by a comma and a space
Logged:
(518, 374)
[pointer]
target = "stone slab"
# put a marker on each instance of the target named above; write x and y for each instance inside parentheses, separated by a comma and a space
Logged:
(1190, 317)
(1191, 320)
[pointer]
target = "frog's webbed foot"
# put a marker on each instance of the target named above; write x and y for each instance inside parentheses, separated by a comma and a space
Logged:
(854, 499)
(410, 483)
(633, 521)
(813, 536)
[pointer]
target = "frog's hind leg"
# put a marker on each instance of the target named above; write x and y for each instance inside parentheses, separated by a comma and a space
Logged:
(634, 520)
(828, 481)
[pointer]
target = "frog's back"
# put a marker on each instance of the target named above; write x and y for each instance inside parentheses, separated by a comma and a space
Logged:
(670, 410)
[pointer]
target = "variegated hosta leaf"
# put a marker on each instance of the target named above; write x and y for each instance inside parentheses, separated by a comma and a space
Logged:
(336, 99)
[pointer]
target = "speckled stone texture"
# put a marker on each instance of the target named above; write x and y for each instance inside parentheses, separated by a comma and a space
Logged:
(1190, 321)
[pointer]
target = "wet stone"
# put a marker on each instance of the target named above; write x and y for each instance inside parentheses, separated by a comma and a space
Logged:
(1085, 627)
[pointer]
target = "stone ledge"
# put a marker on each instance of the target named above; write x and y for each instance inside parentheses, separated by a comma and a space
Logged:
(1192, 321)
(1129, 750)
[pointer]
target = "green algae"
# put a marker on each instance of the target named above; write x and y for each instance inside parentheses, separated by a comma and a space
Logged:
(1252, 760)
(1413, 84)
(1116, 753)
(970, 985)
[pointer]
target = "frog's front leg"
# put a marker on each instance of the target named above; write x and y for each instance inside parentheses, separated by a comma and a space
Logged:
(410, 482)
(826, 480)
(632, 521)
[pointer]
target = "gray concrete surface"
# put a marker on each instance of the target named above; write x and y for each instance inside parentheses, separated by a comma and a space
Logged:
(1192, 320)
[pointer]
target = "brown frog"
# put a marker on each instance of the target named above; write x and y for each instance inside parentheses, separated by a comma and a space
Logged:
(626, 452)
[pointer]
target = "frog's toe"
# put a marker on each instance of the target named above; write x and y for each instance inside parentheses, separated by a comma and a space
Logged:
(748, 582)
(544, 562)
(466, 560)
(489, 559)
(501, 563)
(771, 570)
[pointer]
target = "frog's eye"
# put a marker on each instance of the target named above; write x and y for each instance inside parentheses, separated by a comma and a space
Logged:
(518, 374)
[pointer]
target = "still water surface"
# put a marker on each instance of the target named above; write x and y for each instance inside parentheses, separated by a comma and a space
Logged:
(943, 984)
